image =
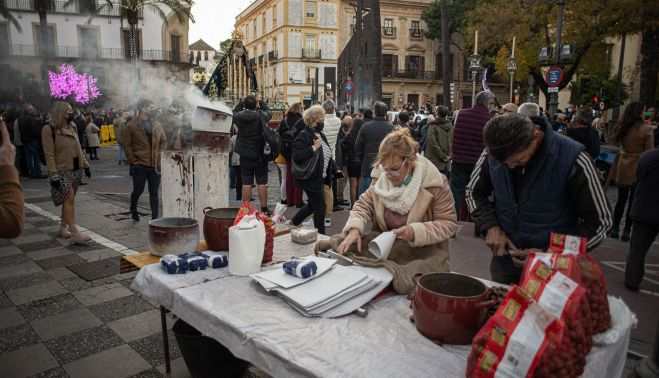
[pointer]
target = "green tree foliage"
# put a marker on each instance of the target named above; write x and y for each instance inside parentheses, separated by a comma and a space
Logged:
(225, 45)
(457, 11)
(587, 24)
(589, 86)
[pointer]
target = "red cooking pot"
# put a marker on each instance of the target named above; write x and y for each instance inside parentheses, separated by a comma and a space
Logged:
(449, 308)
(216, 227)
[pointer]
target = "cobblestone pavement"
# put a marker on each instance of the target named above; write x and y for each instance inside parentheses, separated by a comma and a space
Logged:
(55, 324)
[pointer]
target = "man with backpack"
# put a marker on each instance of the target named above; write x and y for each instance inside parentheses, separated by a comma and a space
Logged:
(252, 148)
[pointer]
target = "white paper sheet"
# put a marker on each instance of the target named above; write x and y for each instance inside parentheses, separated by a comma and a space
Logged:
(381, 245)
(280, 278)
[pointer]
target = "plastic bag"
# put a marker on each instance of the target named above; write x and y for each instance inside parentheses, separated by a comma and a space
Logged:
(522, 339)
(270, 225)
(278, 215)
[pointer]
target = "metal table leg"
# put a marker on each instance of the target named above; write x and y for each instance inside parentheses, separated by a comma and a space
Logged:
(165, 338)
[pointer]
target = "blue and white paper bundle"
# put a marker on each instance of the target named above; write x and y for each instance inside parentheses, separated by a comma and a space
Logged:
(300, 268)
(195, 262)
(216, 259)
(173, 264)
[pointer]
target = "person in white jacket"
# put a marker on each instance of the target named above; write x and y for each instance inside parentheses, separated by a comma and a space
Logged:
(332, 126)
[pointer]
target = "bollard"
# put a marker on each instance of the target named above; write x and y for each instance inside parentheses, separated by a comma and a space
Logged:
(649, 366)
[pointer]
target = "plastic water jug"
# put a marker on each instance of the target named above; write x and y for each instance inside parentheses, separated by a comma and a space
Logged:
(246, 244)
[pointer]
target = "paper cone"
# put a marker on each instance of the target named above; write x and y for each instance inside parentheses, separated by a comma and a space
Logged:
(381, 246)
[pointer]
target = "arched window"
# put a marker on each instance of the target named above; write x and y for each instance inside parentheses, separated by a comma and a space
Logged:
(206, 55)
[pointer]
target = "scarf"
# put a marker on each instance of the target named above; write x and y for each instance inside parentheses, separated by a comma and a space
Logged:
(399, 198)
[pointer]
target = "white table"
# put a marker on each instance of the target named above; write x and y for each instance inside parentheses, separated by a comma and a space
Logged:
(261, 328)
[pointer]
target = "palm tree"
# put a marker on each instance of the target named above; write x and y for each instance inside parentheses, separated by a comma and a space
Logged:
(4, 13)
(130, 9)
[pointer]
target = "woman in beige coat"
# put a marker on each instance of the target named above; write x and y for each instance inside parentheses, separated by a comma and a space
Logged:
(93, 141)
(65, 161)
(411, 198)
(635, 137)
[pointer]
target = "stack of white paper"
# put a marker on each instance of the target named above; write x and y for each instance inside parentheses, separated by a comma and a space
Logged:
(333, 291)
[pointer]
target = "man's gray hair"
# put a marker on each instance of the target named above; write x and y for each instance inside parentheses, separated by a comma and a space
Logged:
(485, 97)
(329, 107)
(584, 116)
(507, 135)
(529, 109)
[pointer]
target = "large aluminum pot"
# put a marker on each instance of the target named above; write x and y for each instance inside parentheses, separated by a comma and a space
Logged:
(449, 308)
(173, 236)
(216, 227)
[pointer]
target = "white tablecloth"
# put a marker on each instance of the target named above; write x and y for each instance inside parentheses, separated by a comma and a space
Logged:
(261, 328)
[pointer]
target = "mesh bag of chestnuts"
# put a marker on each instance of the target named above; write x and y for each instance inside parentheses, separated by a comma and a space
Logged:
(591, 277)
(522, 339)
(564, 298)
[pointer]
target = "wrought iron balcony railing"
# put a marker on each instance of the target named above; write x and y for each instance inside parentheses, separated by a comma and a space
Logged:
(388, 31)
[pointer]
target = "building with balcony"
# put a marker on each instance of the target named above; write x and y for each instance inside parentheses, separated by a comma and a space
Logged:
(292, 45)
(97, 46)
(412, 63)
(204, 57)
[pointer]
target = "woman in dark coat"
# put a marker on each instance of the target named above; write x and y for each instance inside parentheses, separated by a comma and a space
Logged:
(288, 129)
(352, 160)
(309, 142)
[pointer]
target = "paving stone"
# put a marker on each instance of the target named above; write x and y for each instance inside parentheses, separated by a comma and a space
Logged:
(179, 369)
(44, 254)
(10, 251)
(60, 261)
(100, 294)
(5, 243)
(12, 338)
(4, 300)
(151, 348)
(99, 254)
(19, 269)
(42, 222)
(49, 307)
(123, 276)
(32, 236)
(14, 259)
(137, 326)
(127, 282)
(26, 361)
(88, 246)
(28, 231)
(120, 308)
(76, 283)
(61, 273)
(35, 292)
(37, 246)
(81, 344)
(62, 324)
(58, 372)
(19, 281)
(117, 362)
(151, 373)
(10, 317)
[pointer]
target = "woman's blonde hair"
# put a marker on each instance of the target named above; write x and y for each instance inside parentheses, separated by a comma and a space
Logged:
(314, 115)
(397, 143)
(60, 109)
(295, 108)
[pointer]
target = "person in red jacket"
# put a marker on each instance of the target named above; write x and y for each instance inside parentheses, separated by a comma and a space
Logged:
(468, 143)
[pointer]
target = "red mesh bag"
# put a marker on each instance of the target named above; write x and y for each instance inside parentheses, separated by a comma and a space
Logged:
(522, 339)
(565, 299)
(591, 277)
(246, 209)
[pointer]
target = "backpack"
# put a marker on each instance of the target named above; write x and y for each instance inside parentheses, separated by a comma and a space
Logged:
(272, 146)
(286, 139)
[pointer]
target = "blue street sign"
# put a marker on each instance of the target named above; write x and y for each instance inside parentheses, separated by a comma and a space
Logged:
(349, 87)
(554, 76)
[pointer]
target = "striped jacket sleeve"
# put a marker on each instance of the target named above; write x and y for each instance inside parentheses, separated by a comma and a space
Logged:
(478, 195)
(589, 201)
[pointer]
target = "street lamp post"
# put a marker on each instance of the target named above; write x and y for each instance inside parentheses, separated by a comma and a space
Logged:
(512, 67)
(553, 97)
(474, 67)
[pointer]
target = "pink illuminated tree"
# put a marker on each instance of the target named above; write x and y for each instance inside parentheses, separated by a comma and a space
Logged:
(68, 83)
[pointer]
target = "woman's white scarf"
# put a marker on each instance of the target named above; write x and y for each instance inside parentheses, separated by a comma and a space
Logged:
(399, 198)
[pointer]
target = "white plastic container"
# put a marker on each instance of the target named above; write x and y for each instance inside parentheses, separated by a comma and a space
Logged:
(246, 244)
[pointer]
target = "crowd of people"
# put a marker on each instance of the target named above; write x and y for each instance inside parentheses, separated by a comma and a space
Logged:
(507, 168)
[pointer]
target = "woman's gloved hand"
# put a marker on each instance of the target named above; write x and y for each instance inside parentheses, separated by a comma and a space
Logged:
(54, 182)
(88, 173)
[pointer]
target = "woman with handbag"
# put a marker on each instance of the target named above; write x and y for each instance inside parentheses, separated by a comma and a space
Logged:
(289, 128)
(65, 161)
(311, 164)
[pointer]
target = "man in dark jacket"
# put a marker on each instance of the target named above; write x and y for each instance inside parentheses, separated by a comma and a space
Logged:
(583, 132)
(30, 131)
(645, 216)
(468, 144)
(288, 130)
(368, 142)
(530, 182)
(249, 145)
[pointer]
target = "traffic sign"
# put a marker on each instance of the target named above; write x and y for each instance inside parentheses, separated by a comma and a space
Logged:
(554, 76)
(602, 105)
(350, 87)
